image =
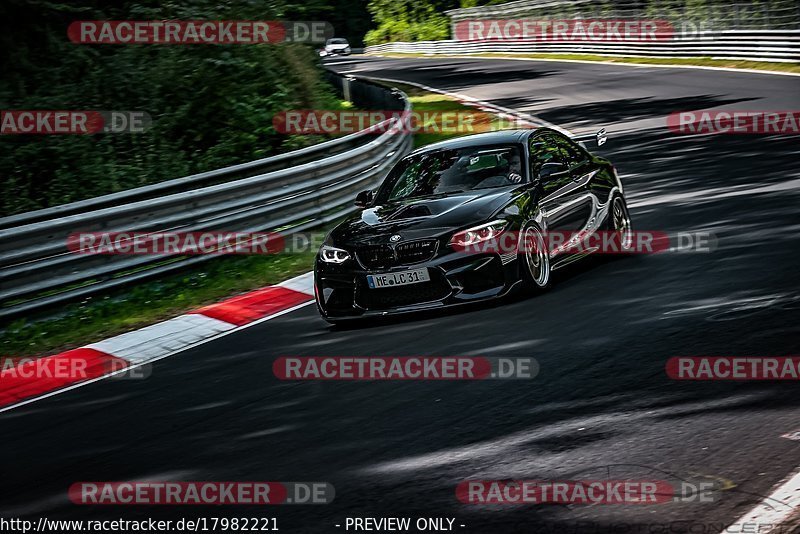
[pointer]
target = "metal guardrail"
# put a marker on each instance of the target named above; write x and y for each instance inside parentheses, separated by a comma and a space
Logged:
(291, 192)
(717, 14)
(753, 45)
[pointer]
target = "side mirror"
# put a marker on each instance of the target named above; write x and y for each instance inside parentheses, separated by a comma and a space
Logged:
(549, 169)
(363, 199)
(601, 137)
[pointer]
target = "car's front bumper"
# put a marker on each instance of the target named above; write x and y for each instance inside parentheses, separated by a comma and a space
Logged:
(342, 291)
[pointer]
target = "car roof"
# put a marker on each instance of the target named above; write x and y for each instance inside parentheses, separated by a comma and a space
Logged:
(489, 138)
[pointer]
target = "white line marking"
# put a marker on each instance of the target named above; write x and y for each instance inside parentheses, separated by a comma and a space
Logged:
(773, 510)
(201, 342)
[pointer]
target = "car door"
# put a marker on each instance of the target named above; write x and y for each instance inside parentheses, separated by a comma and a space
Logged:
(564, 199)
(581, 170)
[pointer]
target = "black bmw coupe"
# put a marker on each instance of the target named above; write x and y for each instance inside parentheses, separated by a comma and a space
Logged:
(417, 241)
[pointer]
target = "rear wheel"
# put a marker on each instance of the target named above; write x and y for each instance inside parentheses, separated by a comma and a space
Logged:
(534, 258)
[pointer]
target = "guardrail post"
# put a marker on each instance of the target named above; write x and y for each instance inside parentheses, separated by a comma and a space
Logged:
(346, 94)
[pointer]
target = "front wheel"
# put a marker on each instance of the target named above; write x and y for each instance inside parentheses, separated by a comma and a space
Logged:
(619, 222)
(534, 258)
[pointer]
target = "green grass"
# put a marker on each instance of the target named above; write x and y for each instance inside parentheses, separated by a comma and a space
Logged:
(148, 302)
(425, 101)
(152, 301)
(699, 61)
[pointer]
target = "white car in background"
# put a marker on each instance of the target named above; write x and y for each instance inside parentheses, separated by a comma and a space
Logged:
(335, 46)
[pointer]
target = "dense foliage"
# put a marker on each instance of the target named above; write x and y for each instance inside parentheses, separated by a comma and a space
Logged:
(409, 20)
(212, 105)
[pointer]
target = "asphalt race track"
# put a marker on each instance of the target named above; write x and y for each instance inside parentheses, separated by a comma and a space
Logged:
(601, 406)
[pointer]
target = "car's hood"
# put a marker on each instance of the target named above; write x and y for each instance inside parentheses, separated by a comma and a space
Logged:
(337, 46)
(422, 217)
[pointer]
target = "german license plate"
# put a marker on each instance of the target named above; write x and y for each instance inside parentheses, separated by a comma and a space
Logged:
(404, 278)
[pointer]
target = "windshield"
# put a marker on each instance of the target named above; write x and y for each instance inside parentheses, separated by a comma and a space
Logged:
(337, 41)
(451, 171)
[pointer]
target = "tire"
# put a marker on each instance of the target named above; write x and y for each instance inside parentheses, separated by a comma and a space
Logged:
(534, 259)
(619, 221)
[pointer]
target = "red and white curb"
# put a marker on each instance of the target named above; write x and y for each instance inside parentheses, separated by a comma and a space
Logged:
(33, 380)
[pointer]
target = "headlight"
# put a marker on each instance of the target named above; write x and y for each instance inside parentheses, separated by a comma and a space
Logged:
(333, 255)
(478, 234)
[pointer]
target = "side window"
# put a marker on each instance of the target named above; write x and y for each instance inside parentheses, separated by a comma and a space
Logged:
(571, 152)
(543, 150)
(405, 182)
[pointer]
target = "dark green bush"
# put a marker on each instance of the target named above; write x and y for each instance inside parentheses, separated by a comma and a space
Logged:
(211, 105)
